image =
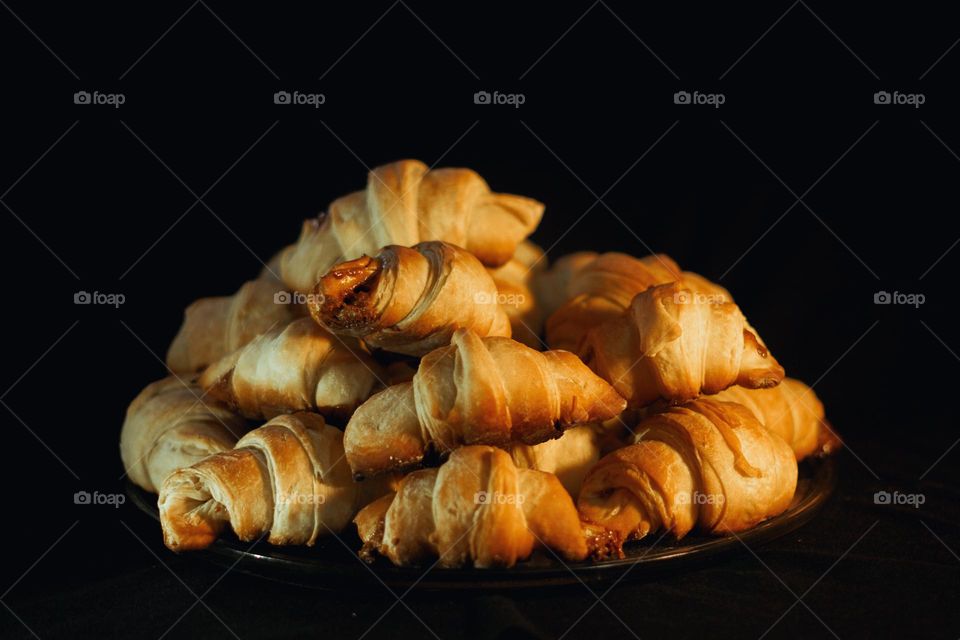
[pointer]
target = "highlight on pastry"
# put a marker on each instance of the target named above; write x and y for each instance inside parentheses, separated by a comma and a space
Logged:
(674, 344)
(409, 300)
(476, 391)
(792, 411)
(706, 464)
(405, 203)
(568, 457)
(170, 425)
(477, 509)
(299, 367)
(286, 479)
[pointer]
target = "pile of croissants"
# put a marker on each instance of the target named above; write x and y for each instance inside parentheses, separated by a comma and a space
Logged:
(412, 367)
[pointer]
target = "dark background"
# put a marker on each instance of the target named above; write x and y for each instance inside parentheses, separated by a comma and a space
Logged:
(104, 199)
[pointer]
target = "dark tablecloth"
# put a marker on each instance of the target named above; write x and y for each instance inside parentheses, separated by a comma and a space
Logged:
(859, 569)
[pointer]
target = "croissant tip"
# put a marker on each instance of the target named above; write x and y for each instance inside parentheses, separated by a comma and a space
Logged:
(829, 441)
(343, 297)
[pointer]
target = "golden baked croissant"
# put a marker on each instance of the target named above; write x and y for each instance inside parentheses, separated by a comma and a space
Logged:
(792, 411)
(675, 344)
(170, 425)
(514, 282)
(478, 508)
(405, 203)
(409, 300)
(707, 464)
(551, 285)
(214, 327)
(476, 391)
(602, 289)
(301, 366)
(568, 457)
(286, 478)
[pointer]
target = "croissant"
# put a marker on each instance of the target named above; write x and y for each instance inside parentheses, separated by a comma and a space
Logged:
(674, 344)
(568, 457)
(409, 300)
(170, 425)
(707, 464)
(406, 203)
(286, 478)
(213, 327)
(602, 289)
(478, 508)
(298, 367)
(551, 286)
(476, 391)
(514, 282)
(792, 411)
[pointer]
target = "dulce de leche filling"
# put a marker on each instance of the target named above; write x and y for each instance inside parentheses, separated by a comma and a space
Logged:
(346, 294)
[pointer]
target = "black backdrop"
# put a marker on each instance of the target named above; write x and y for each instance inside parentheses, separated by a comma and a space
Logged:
(798, 193)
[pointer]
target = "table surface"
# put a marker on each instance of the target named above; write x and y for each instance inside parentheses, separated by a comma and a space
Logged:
(859, 569)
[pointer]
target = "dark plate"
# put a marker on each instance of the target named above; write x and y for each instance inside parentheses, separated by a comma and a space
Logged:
(332, 562)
